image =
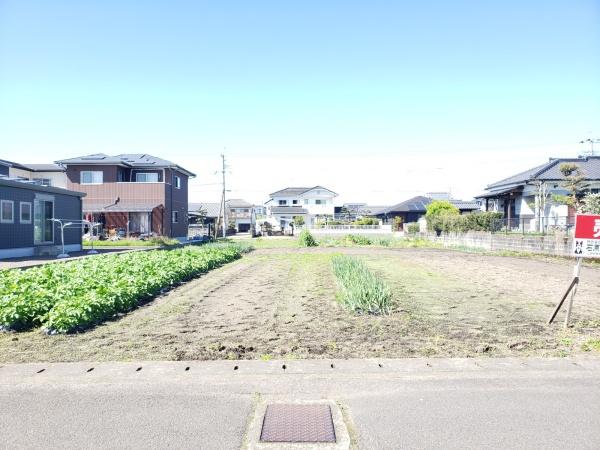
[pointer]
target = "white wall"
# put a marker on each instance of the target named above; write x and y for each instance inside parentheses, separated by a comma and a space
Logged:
(58, 179)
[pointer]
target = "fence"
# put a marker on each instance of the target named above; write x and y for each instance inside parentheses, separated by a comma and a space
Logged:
(552, 244)
(370, 230)
(541, 225)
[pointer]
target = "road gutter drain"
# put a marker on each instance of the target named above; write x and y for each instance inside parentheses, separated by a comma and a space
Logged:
(297, 423)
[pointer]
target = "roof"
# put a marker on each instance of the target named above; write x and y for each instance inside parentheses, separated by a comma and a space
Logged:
(212, 209)
(296, 210)
(238, 203)
(133, 160)
(122, 206)
(32, 167)
(419, 204)
(292, 191)
(35, 186)
(550, 171)
(44, 167)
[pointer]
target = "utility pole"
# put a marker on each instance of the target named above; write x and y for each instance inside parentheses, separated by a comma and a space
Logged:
(224, 210)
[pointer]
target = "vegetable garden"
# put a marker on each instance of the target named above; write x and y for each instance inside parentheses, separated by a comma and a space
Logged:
(78, 294)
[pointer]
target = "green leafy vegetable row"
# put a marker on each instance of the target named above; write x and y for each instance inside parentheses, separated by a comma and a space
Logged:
(78, 294)
(360, 290)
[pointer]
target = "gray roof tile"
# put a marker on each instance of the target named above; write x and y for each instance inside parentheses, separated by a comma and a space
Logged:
(135, 160)
(590, 166)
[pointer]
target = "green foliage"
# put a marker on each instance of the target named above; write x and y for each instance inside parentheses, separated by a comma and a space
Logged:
(574, 183)
(75, 295)
(298, 221)
(413, 228)
(398, 220)
(306, 239)
(357, 239)
(441, 207)
(590, 204)
(360, 290)
(159, 241)
(367, 221)
(483, 221)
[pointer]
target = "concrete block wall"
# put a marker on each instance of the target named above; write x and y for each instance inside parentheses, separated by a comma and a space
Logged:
(555, 244)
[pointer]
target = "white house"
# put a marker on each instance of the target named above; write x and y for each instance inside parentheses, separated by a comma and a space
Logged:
(526, 200)
(311, 203)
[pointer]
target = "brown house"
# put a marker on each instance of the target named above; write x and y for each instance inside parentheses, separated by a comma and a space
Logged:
(132, 194)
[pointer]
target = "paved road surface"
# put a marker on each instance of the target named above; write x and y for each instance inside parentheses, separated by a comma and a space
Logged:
(417, 403)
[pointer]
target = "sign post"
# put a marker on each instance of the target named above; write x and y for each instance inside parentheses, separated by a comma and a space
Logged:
(586, 244)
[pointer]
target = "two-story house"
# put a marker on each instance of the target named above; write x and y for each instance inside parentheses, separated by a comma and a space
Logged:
(310, 203)
(240, 215)
(133, 194)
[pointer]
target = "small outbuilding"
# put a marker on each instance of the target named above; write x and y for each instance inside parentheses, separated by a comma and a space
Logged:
(26, 210)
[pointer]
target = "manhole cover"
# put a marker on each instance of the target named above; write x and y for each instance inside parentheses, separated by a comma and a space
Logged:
(297, 423)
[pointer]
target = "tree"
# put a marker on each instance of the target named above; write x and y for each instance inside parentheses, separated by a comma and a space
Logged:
(298, 221)
(441, 207)
(541, 199)
(398, 223)
(590, 204)
(574, 183)
(437, 213)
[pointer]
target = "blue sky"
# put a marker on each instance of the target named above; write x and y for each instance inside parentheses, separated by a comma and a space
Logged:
(405, 97)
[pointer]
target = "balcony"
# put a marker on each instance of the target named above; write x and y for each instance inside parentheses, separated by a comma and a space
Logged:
(109, 192)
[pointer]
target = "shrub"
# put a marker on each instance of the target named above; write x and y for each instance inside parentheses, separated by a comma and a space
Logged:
(413, 228)
(591, 204)
(360, 290)
(306, 239)
(74, 295)
(484, 221)
(367, 221)
(358, 240)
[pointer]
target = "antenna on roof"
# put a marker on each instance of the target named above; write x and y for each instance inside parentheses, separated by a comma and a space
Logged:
(590, 141)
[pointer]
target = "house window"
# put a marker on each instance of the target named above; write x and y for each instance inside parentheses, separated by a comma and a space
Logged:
(43, 227)
(177, 182)
(175, 217)
(7, 208)
(146, 177)
(282, 202)
(294, 202)
(25, 212)
(306, 201)
(319, 202)
(91, 177)
(44, 181)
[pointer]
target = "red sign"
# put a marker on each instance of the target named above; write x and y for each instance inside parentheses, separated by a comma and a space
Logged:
(587, 236)
(587, 226)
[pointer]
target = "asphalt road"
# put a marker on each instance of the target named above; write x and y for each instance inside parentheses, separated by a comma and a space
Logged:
(389, 404)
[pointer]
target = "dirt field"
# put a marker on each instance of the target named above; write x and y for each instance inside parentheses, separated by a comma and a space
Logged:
(280, 303)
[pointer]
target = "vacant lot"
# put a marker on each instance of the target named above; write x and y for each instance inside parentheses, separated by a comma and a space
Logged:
(280, 303)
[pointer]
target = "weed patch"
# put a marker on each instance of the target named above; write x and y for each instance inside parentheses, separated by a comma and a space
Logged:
(360, 290)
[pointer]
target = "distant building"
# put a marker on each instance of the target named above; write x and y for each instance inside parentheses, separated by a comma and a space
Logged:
(413, 209)
(134, 194)
(44, 174)
(240, 214)
(26, 210)
(310, 203)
